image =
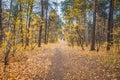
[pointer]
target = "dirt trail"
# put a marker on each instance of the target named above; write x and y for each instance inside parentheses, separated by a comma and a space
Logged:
(60, 62)
(67, 63)
(56, 66)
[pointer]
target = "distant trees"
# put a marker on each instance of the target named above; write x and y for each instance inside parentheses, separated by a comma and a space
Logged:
(29, 23)
(75, 17)
(54, 27)
(46, 27)
(90, 21)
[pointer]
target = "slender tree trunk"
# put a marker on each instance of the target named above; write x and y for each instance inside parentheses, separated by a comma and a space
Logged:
(86, 31)
(21, 26)
(8, 46)
(10, 12)
(80, 40)
(1, 29)
(110, 26)
(46, 21)
(46, 25)
(27, 28)
(29, 23)
(14, 37)
(49, 23)
(41, 25)
(94, 26)
(15, 16)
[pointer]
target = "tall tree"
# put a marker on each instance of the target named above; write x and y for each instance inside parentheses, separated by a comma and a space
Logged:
(1, 29)
(15, 15)
(28, 21)
(8, 40)
(94, 25)
(41, 25)
(21, 20)
(46, 20)
(110, 25)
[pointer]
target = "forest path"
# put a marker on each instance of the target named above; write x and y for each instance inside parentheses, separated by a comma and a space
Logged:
(67, 63)
(61, 62)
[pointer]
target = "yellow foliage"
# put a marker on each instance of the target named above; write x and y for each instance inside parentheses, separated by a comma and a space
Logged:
(52, 14)
(34, 22)
(115, 2)
(18, 22)
(8, 34)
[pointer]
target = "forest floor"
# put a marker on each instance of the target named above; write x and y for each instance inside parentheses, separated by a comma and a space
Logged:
(61, 62)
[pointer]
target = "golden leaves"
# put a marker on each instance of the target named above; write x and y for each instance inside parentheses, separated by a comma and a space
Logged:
(8, 34)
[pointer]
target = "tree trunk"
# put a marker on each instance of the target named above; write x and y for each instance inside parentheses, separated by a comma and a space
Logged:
(8, 46)
(94, 26)
(48, 28)
(1, 29)
(27, 28)
(41, 25)
(110, 26)
(46, 21)
(28, 22)
(21, 26)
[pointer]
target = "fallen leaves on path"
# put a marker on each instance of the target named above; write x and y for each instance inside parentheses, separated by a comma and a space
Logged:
(60, 62)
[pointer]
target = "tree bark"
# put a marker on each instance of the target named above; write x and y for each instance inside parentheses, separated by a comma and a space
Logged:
(110, 26)
(29, 22)
(21, 26)
(8, 46)
(94, 26)
(46, 21)
(1, 29)
(41, 25)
